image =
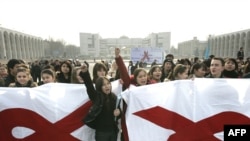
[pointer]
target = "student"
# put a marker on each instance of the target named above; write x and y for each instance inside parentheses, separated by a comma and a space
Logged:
(198, 70)
(100, 70)
(231, 68)
(51, 72)
(64, 75)
(48, 76)
(167, 68)
(12, 66)
(103, 112)
(180, 72)
(3, 71)
(139, 77)
(23, 78)
(216, 68)
(3, 74)
(155, 74)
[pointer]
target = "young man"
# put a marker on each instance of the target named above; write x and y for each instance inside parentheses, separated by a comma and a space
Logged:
(216, 68)
(12, 66)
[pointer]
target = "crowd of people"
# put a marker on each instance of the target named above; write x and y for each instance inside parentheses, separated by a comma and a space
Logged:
(16, 73)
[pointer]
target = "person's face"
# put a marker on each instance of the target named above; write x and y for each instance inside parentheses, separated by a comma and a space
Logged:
(200, 72)
(101, 73)
(239, 62)
(14, 69)
(22, 78)
(229, 65)
(47, 78)
(106, 87)
(141, 79)
(78, 77)
(65, 68)
(183, 75)
(157, 74)
(216, 68)
(3, 70)
(187, 65)
(168, 66)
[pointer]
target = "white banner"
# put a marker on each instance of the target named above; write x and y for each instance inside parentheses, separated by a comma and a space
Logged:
(51, 112)
(147, 54)
(186, 109)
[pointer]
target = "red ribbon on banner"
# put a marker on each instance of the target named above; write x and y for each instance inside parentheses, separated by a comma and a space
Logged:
(145, 56)
(44, 130)
(188, 130)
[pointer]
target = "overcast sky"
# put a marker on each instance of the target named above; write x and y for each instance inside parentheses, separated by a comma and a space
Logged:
(65, 19)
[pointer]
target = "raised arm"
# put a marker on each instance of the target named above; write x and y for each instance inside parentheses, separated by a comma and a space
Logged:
(123, 70)
(88, 82)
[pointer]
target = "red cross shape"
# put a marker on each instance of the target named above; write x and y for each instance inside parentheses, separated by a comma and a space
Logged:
(145, 56)
(187, 130)
(44, 130)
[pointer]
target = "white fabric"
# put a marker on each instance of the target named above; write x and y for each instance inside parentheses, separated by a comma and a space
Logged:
(51, 101)
(193, 99)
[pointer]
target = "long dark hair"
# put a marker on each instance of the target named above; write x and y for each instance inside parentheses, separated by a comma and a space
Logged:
(98, 85)
(178, 69)
(98, 67)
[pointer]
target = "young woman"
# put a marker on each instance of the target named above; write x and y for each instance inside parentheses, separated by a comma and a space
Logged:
(103, 112)
(3, 71)
(64, 75)
(180, 72)
(48, 76)
(231, 68)
(3, 74)
(198, 70)
(155, 74)
(139, 78)
(23, 78)
(167, 68)
(100, 70)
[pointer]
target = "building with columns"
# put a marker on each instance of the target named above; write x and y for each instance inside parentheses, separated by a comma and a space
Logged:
(227, 45)
(14, 44)
(94, 45)
(192, 48)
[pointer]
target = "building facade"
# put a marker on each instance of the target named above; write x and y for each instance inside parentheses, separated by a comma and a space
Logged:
(192, 48)
(14, 44)
(227, 45)
(94, 45)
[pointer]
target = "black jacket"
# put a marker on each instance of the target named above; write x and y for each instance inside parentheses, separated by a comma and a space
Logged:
(9, 79)
(100, 116)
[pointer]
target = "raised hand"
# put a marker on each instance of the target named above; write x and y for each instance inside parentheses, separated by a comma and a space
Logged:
(117, 52)
(84, 68)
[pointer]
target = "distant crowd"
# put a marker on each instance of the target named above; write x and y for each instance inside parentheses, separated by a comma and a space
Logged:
(66, 71)
(17, 73)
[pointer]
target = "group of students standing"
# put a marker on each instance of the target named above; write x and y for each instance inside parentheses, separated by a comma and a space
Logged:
(104, 113)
